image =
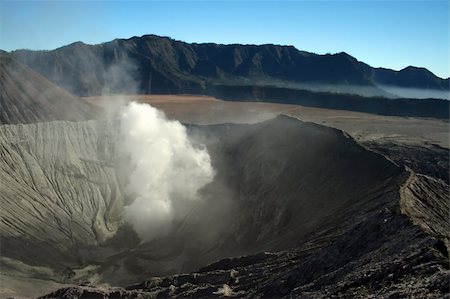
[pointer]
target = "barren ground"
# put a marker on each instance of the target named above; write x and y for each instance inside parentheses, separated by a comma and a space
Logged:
(46, 164)
(198, 109)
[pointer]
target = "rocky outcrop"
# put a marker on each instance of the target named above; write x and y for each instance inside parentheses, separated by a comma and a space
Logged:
(425, 196)
(426, 201)
(427, 159)
(383, 256)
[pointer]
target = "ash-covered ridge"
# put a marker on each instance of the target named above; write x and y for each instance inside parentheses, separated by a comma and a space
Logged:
(27, 97)
(309, 213)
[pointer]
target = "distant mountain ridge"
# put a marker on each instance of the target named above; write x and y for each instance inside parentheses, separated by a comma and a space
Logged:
(410, 76)
(155, 64)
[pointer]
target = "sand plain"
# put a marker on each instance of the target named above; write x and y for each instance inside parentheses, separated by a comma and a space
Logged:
(198, 109)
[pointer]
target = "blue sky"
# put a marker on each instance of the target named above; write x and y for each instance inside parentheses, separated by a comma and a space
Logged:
(392, 34)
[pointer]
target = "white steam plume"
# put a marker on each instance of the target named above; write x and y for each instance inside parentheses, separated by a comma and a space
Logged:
(166, 168)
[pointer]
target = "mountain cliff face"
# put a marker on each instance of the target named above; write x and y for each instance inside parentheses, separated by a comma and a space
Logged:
(410, 76)
(26, 96)
(162, 65)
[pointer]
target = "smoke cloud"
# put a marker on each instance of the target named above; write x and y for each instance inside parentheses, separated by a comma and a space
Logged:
(167, 169)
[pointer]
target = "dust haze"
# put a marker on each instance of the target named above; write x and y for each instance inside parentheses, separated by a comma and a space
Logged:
(163, 166)
(167, 169)
(416, 93)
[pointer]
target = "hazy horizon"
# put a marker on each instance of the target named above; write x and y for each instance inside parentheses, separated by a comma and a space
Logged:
(393, 34)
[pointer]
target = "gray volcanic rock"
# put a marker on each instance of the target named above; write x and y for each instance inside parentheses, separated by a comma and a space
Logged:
(426, 195)
(59, 187)
(310, 213)
(383, 256)
(427, 202)
(26, 96)
(293, 178)
(431, 160)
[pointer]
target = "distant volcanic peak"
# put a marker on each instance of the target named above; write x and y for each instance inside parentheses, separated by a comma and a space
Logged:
(78, 44)
(341, 55)
(412, 68)
(410, 77)
(417, 70)
(154, 36)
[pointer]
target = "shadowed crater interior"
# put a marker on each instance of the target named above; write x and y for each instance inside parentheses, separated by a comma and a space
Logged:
(282, 185)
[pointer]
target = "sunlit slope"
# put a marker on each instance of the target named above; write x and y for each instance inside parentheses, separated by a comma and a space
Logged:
(26, 96)
(59, 191)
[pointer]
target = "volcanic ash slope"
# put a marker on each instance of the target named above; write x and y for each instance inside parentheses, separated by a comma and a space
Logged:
(327, 209)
